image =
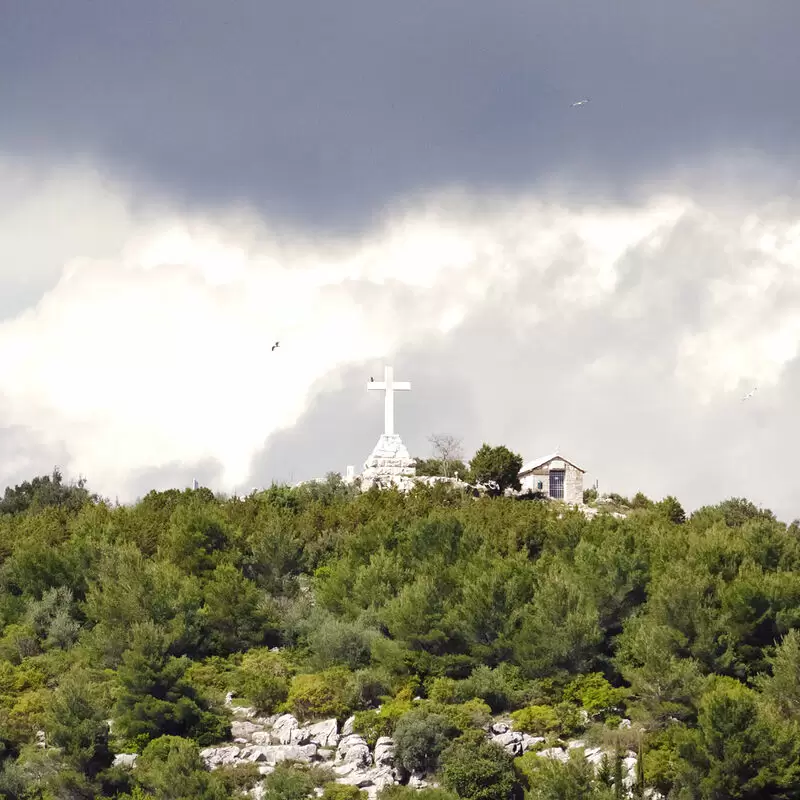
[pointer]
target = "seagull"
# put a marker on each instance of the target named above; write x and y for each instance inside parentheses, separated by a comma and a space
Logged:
(275, 345)
(581, 102)
(750, 394)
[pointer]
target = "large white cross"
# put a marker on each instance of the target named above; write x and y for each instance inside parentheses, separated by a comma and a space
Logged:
(389, 386)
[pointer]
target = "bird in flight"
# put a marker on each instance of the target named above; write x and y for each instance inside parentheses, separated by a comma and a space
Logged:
(581, 102)
(750, 394)
(275, 345)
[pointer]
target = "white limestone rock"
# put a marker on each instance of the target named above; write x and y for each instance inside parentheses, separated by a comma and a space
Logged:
(324, 734)
(244, 729)
(556, 753)
(510, 741)
(352, 755)
(530, 742)
(384, 752)
(283, 727)
(347, 728)
(220, 756)
(500, 727)
(125, 759)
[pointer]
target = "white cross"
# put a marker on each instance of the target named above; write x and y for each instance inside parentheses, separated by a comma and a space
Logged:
(389, 386)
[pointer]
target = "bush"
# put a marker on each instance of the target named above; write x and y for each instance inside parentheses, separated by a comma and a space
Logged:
(340, 791)
(536, 720)
(264, 679)
(398, 792)
(419, 738)
(338, 642)
(322, 694)
(597, 696)
(288, 782)
(473, 714)
(476, 769)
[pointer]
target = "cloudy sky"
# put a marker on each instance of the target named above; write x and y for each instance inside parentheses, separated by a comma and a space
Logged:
(182, 182)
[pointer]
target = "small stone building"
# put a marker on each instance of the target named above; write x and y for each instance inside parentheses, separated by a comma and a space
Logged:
(554, 476)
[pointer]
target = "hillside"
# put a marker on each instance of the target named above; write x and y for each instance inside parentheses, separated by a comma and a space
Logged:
(194, 646)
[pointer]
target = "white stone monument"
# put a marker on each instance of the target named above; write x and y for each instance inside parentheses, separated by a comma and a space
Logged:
(390, 463)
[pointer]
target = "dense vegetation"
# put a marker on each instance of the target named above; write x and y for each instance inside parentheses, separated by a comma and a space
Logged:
(442, 608)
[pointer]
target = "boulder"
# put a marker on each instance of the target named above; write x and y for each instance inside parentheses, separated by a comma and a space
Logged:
(125, 759)
(283, 727)
(529, 742)
(219, 756)
(554, 752)
(510, 741)
(244, 729)
(384, 752)
(352, 755)
(324, 734)
(500, 727)
(347, 728)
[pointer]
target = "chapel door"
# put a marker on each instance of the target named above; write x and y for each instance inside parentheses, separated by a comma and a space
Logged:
(557, 484)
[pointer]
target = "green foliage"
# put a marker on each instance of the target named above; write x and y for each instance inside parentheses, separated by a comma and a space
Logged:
(264, 679)
(399, 792)
(496, 466)
(594, 694)
(536, 720)
(288, 782)
(154, 699)
(419, 737)
(46, 491)
(476, 769)
(170, 768)
(322, 694)
(549, 779)
(432, 604)
(339, 791)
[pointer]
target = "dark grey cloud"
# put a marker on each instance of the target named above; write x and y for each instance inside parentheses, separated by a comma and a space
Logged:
(324, 112)
(541, 384)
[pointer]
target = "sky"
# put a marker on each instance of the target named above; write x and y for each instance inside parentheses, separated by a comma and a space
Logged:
(185, 182)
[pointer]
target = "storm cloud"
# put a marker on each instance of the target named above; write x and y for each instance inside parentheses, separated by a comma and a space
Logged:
(181, 184)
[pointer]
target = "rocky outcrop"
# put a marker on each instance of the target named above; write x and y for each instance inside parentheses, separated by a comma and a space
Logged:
(268, 741)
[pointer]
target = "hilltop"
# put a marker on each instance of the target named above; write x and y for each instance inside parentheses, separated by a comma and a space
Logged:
(199, 646)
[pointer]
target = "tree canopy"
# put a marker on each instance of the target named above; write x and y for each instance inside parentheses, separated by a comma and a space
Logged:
(122, 628)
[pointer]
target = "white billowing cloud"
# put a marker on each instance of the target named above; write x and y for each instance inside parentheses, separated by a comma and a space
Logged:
(150, 341)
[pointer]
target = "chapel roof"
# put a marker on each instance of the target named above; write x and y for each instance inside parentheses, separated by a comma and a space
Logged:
(539, 462)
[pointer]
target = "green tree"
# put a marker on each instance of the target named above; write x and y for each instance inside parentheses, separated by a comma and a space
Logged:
(153, 697)
(497, 467)
(170, 768)
(420, 737)
(476, 769)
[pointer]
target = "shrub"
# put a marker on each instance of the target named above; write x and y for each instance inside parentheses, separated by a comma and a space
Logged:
(536, 720)
(464, 716)
(476, 769)
(419, 738)
(398, 792)
(340, 791)
(264, 679)
(338, 642)
(595, 694)
(374, 724)
(322, 694)
(288, 782)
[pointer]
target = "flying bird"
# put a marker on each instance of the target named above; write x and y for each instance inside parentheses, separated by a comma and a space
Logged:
(581, 102)
(275, 345)
(750, 394)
